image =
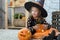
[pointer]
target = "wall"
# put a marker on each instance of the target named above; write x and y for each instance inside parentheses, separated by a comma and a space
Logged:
(1, 14)
(51, 6)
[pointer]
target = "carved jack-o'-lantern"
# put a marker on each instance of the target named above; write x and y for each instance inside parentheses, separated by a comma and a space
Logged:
(41, 31)
(41, 28)
(24, 34)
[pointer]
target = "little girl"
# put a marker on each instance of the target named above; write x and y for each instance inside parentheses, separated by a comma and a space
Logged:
(38, 15)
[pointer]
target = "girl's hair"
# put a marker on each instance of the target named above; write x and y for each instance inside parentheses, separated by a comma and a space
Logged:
(39, 20)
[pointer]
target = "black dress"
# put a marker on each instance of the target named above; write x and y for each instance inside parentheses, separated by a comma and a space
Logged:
(32, 22)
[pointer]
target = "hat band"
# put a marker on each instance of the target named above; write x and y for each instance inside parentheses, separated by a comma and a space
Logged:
(38, 4)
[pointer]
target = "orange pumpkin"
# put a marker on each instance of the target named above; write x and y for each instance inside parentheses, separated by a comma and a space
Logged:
(41, 28)
(41, 32)
(24, 34)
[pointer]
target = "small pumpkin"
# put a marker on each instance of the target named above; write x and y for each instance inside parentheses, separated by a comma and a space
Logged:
(24, 34)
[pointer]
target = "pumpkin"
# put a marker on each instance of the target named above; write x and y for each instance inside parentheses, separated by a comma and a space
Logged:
(24, 34)
(41, 32)
(41, 28)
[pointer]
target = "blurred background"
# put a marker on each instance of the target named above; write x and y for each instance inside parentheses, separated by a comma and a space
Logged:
(14, 16)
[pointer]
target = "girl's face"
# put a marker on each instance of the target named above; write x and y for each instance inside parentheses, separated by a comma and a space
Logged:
(35, 12)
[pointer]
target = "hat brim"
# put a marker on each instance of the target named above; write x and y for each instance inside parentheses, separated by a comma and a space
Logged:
(28, 6)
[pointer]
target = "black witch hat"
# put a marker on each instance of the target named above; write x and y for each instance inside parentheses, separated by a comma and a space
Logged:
(38, 4)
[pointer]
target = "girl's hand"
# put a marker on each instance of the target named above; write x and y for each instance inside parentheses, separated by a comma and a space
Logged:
(58, 33)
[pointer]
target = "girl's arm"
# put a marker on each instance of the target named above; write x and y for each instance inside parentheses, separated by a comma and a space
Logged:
(29, 26)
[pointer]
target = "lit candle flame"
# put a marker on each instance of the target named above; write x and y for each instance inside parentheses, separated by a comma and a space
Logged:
(42, 30)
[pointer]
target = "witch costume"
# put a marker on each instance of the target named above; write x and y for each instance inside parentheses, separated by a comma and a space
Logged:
(32, 22)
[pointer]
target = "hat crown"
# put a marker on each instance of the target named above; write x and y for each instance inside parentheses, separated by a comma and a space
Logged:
(40, 2)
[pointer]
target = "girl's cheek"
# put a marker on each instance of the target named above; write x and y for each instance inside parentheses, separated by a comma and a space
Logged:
(34, 13)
